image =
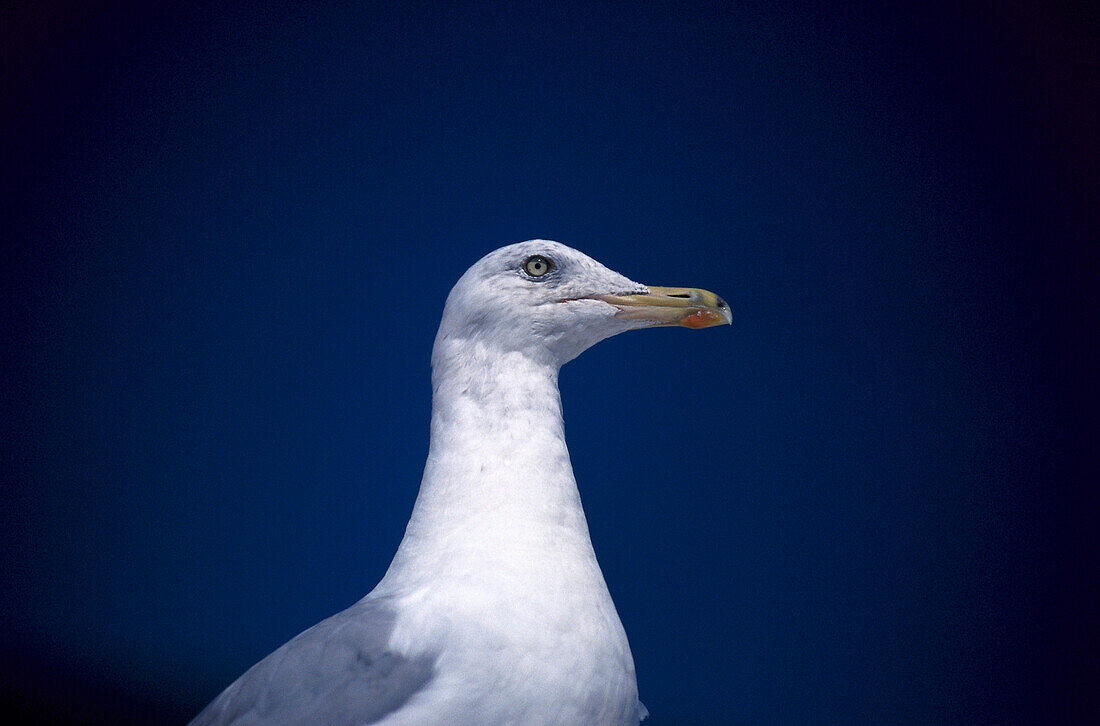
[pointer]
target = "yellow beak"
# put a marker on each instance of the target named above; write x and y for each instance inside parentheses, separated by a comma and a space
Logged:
(686, 306)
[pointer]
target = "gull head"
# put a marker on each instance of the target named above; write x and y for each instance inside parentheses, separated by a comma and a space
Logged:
(551, 302)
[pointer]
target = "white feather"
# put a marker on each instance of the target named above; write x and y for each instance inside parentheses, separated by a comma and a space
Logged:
(494, 609)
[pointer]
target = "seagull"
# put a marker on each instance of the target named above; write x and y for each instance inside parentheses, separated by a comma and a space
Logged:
(494, 609)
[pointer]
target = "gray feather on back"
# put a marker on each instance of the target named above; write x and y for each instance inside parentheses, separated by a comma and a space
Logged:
(338, 672)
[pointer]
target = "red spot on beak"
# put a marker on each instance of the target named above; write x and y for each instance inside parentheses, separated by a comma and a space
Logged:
(702, 319)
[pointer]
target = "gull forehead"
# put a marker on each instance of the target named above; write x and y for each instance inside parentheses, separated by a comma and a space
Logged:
(566, 266)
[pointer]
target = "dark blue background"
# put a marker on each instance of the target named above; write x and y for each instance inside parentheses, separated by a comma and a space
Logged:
(230, 233)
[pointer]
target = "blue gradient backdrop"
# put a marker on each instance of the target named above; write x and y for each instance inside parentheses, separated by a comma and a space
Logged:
(231, 230)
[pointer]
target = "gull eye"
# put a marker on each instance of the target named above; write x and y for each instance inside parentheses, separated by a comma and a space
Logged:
(537, 265)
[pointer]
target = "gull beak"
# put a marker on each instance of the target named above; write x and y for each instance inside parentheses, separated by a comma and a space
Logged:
(686, 306)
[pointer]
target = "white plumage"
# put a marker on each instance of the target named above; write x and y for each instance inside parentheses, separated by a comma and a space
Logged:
(494, 609)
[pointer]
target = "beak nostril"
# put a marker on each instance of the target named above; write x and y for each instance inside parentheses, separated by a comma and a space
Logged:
(679, 294)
